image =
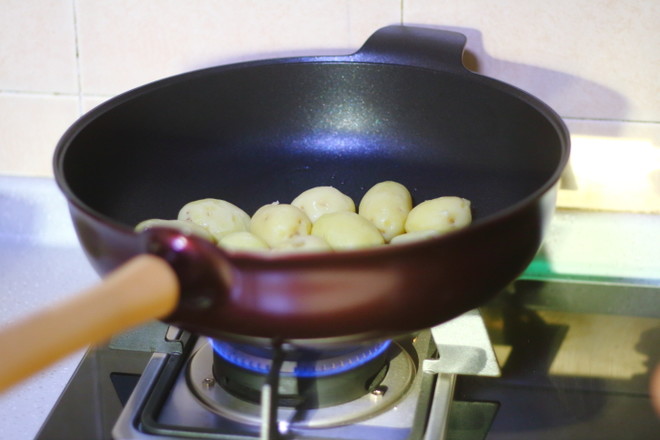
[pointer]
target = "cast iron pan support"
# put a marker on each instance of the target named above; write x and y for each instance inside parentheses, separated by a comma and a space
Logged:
(269, 422)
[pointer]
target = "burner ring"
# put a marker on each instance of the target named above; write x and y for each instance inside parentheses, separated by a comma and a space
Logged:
(306, 363)
(396, 382)
(308, 378)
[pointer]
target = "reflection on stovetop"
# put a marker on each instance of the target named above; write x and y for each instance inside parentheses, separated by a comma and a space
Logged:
(575, 360)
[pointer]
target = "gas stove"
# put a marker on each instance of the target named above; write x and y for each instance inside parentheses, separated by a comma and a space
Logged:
(575, 364)
(194, 387)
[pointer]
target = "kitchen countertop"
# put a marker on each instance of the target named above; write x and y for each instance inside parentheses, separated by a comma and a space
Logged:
(40, 263)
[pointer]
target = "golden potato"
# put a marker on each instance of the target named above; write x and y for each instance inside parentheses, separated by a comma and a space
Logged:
(323, 200)
(302, 244)
(442, 214)
(187, 228)
(321, 219)
(387, 205)
(243, 241)
(278, 222)
(410, 237)
(345, 230)
(219, 217)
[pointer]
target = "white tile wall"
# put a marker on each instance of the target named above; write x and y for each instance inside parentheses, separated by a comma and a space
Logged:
(126, 43)
(595, 61)
(586, 58)
(30, 125)
(37, 46)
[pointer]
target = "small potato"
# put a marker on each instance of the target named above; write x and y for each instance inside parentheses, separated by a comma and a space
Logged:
(277, 222)
(188, 228)
(219, 217)
(410, 237)
(346, 230)
(323, 200)
(243, 241)
(302, 244)
(387, 205)
(443, 214)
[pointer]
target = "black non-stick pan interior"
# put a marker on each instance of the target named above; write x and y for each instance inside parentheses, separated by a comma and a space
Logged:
(265, 133)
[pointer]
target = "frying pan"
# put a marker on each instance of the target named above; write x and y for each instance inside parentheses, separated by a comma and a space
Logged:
(402, 108)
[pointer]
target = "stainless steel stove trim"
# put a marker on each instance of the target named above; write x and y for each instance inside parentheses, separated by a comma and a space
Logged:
(125, 426)
(464, 347)
(442, 397)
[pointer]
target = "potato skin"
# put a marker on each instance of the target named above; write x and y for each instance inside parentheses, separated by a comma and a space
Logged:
(242, 241)
(322, 200)
(385, 215)
(443, 214)
(415, 236)
(219, 217)
(302, 244)
(387, 205)
(347, 230)
(187, 228)
(278, 222)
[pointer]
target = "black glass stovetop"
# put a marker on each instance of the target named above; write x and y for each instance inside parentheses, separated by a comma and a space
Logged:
(575, 360)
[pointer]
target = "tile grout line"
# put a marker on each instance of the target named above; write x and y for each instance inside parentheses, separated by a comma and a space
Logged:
(38, 93)
(608, 121)
(74, 4)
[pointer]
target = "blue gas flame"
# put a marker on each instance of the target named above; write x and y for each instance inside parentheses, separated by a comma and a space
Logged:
(304, 368)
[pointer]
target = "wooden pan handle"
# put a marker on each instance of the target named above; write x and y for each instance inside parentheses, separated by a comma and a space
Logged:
(144, 288)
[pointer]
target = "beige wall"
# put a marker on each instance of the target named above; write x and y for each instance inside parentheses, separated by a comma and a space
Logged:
(597, 62)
